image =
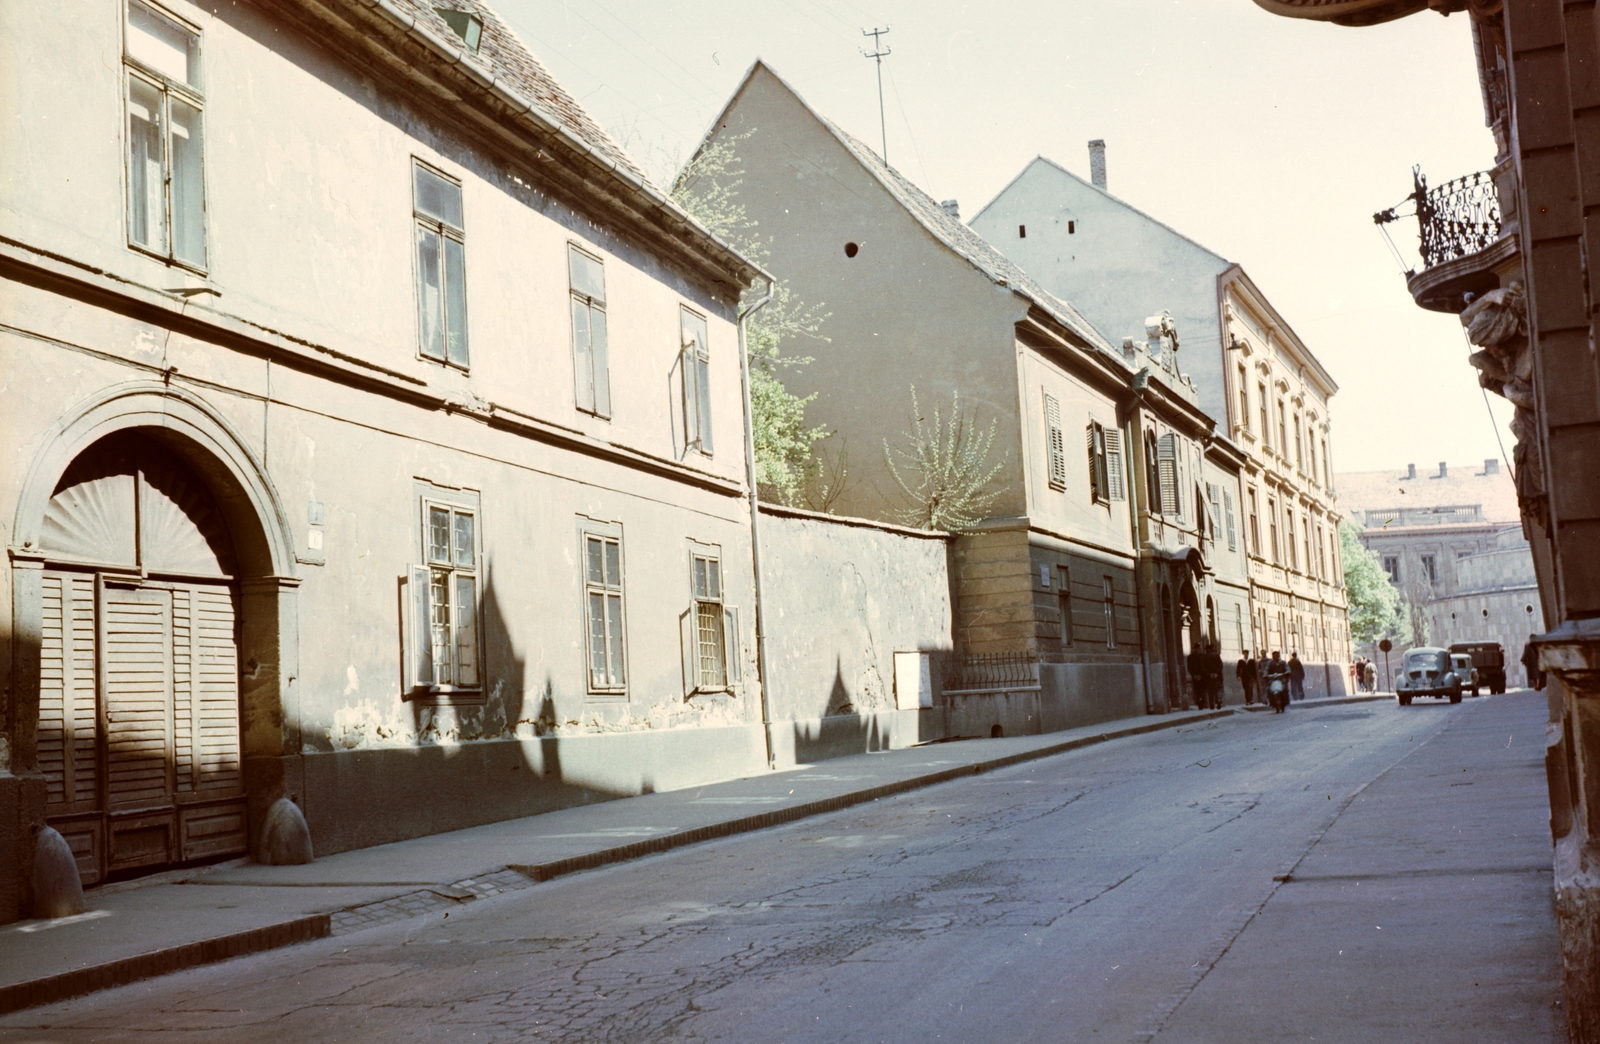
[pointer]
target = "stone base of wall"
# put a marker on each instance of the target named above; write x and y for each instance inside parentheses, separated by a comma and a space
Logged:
(358, 798)
(1077, 694)
(22, 801)
(1577, 902)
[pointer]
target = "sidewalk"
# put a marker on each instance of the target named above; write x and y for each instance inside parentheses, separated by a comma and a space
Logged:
(186, 918)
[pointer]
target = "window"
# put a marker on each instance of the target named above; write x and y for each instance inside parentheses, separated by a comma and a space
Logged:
(1214, 520)
(1167, 474)
(1111, 612)
(166, 185)
(1255, 524)
(590, 355)
(1266, 428)
(1305, 541)
(1244, 398)
(1152, 472)
(1327, 478)
(1322, 555)
(602, 594)
(1057, 445)
(1311, 451)
(466, 25)
(1430, 569)
(441, 266)
(1105, 464)
(1288, 523)
(1064, 602)
(710, 629)
(1272, 524)
(443, 595)
(1299, 445)
(1391, 565)
(696, 367)
(1283, 430)
(1022, 231)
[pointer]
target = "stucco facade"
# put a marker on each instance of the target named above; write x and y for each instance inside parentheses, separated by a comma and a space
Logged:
(272, 396)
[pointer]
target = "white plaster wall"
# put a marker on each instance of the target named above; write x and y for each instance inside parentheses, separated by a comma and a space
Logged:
(1069, 513)
(1117, 266)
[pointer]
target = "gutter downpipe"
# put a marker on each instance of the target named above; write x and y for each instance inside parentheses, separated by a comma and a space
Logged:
(1130, 448)
(755, 516)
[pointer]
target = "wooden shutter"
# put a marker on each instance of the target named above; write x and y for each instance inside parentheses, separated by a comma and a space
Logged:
(689, 646)
(418, 629)
(691, 395)
(1058, 442)
(216, 684)
(136, 636)
(1095, 491)
(1227, 509)
(599, 347)
(582, 355)
(730, 635)
(67, 700)
(1214, 495)
(1167, 472)
(1115, 471)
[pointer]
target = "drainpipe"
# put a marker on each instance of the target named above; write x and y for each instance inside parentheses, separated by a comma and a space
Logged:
(755, 516)
(1139, 383)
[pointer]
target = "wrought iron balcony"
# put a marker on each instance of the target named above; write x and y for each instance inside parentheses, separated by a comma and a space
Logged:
(1454, 220)
(1457, 224)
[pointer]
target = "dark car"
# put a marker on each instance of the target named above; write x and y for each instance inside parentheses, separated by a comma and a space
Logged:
(1429, 671)
(1489, 659)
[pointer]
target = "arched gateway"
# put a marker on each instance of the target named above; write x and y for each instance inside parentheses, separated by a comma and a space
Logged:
(147, 555)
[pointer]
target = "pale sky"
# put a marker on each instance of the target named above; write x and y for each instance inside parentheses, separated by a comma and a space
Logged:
(1270, 140)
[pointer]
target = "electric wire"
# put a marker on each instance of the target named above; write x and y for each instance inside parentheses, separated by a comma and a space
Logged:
(900, 104)
(1493, 421)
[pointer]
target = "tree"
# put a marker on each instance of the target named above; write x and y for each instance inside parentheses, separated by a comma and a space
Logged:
(944, 469)
(1376, 608)
(708, 188)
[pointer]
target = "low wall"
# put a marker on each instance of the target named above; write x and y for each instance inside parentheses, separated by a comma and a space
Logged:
(357, 798)
(842, 596)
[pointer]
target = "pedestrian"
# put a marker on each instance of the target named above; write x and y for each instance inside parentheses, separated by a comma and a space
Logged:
(1275, 680)
(1297, 676)
(1371, 671)
(1245, 671)
(1213, 676)
(1194, 662)
(1530, 664)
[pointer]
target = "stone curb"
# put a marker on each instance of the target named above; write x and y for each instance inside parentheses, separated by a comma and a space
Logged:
(97, 977)
(777, 817)
(81, 981)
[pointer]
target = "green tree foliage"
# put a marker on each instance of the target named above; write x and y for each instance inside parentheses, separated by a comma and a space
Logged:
(943, 468)
(1376, 608)
(786, 463)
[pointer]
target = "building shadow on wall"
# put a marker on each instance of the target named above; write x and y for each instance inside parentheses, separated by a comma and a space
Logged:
(841, 730)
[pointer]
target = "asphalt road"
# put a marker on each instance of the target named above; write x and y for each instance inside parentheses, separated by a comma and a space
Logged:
(1362, 872)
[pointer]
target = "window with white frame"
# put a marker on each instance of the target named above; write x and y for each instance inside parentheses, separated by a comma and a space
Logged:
(1056, 440)
(1288, 523)
(1227, 507)
(591, 357)
(1305, 542)
(166, 183)
(1391, 565)
(695, 364)
(441, 265)
(710, 629)
(442, 633)
(1272, 524)
(602, 600)
(1255, 522)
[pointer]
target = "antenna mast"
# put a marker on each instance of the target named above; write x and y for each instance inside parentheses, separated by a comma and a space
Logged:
(878, 54)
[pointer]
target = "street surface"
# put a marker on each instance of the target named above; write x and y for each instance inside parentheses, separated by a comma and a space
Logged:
(1355, 873)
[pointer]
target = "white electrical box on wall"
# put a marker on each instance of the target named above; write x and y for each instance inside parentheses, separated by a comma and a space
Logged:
(913, 680)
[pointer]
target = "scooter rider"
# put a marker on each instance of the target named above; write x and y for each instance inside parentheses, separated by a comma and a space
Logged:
(1275, 678)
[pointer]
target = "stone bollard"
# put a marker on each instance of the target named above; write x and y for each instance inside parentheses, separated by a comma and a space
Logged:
(57, 888)
(285, 838)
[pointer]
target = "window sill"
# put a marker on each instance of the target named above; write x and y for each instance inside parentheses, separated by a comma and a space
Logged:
(170, 261)
(446, 696)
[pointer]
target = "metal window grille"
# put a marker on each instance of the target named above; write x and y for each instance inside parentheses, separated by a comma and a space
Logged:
(448, 604)
(989, 671)
(603, 596)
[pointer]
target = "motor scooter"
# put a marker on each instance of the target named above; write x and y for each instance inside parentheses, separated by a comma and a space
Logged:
(1278, 693)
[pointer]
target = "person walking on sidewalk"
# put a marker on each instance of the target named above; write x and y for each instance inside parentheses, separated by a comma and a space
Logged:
(1245, 671)
(1213, 671)
(1530, 664)
(1371, 671)
(1194, 663)
(1297, 676)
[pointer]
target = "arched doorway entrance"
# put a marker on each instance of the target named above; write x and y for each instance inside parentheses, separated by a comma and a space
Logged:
(138, 727)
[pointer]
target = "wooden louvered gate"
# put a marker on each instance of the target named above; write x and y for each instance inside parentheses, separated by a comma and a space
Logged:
(139, 720)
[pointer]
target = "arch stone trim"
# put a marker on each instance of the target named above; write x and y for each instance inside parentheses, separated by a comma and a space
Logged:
(152, 404)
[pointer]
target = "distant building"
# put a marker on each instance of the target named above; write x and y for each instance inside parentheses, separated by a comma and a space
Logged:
(1452, 543)
(1251, 372)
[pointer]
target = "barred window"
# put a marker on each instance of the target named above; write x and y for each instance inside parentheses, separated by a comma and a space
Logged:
(602, 555)
(443, 653)
(710, 627)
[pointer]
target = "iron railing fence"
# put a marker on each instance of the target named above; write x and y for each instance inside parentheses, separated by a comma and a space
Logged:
(989, 672)
(1456, 219)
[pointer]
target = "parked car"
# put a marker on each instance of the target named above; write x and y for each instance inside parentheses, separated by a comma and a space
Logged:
(1489, 660)
(1461, 666)
(1428, 671)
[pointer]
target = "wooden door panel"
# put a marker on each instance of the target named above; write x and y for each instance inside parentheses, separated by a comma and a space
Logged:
(136, 659)
(68, 709)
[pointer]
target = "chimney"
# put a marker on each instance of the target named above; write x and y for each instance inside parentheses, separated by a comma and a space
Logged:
(1491, 465)
(1444, 470)
(1411, 471)
(1097, 163)
(952, 208)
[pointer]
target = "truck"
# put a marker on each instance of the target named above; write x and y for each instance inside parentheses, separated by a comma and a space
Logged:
(1489, 659)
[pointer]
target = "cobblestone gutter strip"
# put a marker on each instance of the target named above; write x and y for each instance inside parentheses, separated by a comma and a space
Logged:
(76, 983)
(777, 817)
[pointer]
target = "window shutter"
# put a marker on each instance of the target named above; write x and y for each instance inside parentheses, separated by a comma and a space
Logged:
(1227, 506)
(419, 630)
(731, 635)
(1095, 492)
(602, 361)
(702, 369)
(1058, 442)
(691, 395)
(1114, 468)
(1167, 470)
(690, 650)
(1214, 494)
(582, 357)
